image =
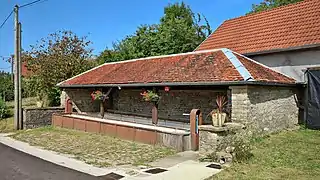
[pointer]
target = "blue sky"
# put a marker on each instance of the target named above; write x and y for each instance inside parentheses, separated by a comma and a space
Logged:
(103, 21)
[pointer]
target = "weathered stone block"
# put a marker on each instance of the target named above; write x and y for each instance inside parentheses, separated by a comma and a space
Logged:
(264, 107)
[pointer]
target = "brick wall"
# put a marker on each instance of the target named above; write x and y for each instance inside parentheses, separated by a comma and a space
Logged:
(264, 107)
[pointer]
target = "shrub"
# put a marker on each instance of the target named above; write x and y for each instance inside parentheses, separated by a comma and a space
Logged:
(4, 111)
(241, 145)
(242, 148)
(54, 96)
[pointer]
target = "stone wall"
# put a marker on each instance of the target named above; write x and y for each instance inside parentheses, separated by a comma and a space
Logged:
(37, 117)
(82, 99)
(264, 108)
(217, 139)
(172, 104)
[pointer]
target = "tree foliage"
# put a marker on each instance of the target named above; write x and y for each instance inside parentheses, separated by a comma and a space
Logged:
(6, 86)
(55, 58)
(4, 111)
(179, 30)
(270, 4)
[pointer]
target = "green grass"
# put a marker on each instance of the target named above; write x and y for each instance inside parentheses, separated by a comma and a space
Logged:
(287, 155)
(6, 125)
(100, 150)
(26, 102)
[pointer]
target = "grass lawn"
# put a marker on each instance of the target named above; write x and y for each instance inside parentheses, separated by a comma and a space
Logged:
(288, 155)
(6, 125)
(93, 148)
(26, 102)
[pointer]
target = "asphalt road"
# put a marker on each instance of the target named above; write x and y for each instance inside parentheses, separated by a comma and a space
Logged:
(16, 165)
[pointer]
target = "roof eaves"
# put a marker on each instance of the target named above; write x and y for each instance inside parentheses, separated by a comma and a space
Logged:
(219, 83)
(309, 46)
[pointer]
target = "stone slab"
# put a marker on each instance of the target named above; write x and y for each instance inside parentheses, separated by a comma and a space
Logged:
(226, 127)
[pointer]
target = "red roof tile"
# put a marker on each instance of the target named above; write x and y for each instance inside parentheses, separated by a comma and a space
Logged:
(288, 26)
(202, 66)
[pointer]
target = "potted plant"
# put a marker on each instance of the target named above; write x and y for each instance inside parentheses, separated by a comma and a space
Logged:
(99, 96)
(218, 116)
(152, 96)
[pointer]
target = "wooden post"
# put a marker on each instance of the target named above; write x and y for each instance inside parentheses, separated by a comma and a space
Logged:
(68, 106)
(102, 109)
(155, 113)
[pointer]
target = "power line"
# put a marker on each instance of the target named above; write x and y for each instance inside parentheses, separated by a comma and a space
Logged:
(25, 5)
(6, 19)
(33, 2)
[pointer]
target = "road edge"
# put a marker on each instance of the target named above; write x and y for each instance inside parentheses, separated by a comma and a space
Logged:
(56, 158)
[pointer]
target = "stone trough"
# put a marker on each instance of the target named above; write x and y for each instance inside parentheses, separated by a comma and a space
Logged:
(178, 139)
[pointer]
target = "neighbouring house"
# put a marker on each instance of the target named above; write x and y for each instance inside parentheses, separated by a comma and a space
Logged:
(25, 72)
(286, 38)
(258, 97)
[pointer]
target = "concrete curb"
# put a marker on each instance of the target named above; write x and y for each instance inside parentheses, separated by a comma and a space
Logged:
(56, 158)
(190, 170)
(187, 169)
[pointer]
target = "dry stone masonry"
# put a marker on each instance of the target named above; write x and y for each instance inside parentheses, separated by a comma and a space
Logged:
(37, 117)
(266, 108)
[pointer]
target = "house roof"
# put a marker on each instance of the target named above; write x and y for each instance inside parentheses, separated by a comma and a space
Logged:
(213, 66)
(293, 26)
(25, 72)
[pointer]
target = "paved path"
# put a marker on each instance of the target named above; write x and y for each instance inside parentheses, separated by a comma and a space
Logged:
(16, 165)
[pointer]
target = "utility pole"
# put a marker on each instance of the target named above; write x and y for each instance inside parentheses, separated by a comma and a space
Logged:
(12, 69)
(16, 69)
(19, 77)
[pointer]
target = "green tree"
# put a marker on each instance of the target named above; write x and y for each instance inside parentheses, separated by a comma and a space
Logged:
(6, 86)
(179, 30)
(55, 58)
(4, 111)
(270, 4)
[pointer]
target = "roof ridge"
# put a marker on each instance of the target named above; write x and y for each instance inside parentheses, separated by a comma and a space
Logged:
(268, 10)
(243, 71)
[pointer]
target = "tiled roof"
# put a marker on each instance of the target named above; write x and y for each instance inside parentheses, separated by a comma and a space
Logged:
(202, 66)
(290, 26)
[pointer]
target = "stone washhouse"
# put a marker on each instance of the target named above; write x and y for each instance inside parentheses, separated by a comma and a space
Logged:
(259, 98)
